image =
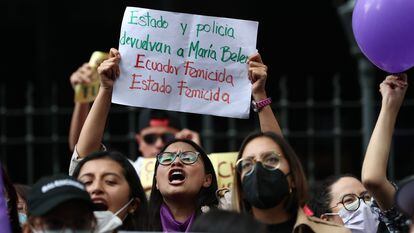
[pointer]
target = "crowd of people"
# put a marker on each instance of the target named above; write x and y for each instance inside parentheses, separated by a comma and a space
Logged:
(103, 192)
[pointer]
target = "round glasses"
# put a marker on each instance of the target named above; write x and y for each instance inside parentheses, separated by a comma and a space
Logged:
(269, 160)
(351, 202)
(186, 157)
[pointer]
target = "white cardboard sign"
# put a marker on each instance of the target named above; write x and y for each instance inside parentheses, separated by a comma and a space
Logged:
(183, 62)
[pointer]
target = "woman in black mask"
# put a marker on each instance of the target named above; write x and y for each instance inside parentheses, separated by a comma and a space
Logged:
(271, 185)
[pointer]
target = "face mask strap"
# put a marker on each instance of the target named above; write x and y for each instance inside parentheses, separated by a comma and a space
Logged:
(124, 207)
(331, 214)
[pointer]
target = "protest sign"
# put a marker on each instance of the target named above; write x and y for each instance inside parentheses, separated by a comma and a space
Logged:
(184, 62)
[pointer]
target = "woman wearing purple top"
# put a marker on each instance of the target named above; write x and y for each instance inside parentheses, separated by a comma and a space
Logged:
(184, 186)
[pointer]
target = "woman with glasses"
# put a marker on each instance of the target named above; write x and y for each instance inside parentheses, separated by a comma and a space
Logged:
(344, 200)
(374, 169)
(368, 206)
(184, 186)
(271, 185)
(156, 128)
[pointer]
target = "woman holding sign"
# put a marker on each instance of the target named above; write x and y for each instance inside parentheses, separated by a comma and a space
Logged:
(109, 177)
(270, 182)
(184, 178)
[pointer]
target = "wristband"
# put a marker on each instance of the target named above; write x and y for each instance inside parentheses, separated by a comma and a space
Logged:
(257, 106)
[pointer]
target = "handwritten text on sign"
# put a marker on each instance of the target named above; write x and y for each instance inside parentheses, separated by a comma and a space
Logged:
(184, 62)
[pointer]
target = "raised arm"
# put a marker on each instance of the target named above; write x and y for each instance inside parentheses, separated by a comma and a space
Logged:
(258, 76)
(82, 75)
(374, 169)
(92, 131)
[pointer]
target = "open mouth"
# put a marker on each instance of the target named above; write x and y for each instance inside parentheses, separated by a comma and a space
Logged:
(99, 207)
(99, 204)
(176, 176)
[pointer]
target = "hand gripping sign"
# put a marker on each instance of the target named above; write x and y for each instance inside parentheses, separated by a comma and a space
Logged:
(184, 62)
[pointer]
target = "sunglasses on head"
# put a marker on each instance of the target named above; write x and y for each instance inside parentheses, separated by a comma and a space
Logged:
(153, 137)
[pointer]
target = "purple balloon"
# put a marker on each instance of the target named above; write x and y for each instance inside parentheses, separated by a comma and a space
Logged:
(384, 31)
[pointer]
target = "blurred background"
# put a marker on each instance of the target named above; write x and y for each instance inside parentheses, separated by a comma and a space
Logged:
(325, 93)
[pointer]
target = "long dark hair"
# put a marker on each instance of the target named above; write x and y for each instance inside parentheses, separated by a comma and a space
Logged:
(139, 218)
(12, 202)
(206, 196)
(22, 190)
(221, 221)
(299, 193)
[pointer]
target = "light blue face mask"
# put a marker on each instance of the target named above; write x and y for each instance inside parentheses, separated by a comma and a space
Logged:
(22, 218)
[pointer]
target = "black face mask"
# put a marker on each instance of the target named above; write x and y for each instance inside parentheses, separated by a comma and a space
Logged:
(265, 189)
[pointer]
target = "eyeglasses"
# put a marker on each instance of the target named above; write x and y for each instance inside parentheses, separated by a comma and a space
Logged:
(153, 137)
(269, 160)
(186, 157)
(351, 202)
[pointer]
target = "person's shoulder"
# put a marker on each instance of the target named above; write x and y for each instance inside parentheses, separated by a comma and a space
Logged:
(306, 223)
(137, 163)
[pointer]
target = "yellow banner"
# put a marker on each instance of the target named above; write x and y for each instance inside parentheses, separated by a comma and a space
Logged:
(86, 93)
(224, 166)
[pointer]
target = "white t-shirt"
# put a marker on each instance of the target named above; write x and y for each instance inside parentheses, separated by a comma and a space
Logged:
(74, 161)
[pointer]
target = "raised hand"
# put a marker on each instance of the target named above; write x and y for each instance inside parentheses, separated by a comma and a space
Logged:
(109, 69)
(393, 90)
(257, 76)
(83, 74)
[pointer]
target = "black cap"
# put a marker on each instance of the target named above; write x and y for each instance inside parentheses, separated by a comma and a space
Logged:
(404, 198)
(153, 117)
(50, 192)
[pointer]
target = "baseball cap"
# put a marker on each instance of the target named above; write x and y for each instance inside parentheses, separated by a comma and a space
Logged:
(153, 117)
(404, 198)
(50, 192)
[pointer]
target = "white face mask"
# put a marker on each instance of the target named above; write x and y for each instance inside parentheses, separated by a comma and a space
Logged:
(108, 221)
(362, 220)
